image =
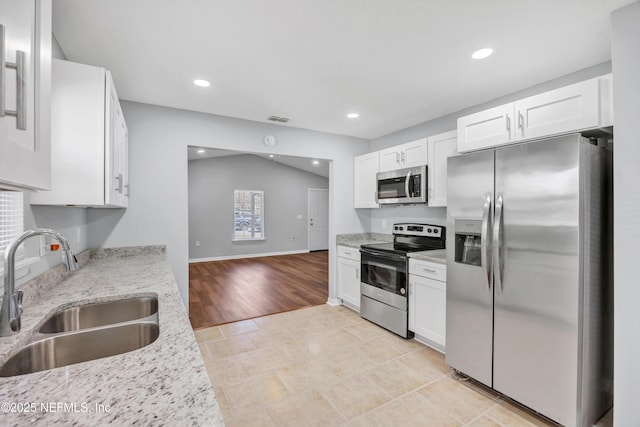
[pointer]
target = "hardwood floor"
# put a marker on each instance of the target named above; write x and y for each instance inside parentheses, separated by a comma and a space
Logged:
(231, 290)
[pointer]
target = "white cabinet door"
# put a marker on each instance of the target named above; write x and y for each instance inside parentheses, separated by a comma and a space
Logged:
(405, 155)
(414, 153)
(24, 144)
(440, 147)
(390, 159)
(89, 153)
(116, 151)
(567, 109)
(349, 281)
(488, 128)
(365, 168)
(427, 308)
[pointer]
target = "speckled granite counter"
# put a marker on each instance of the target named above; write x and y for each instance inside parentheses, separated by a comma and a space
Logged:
(164, 383)
(358, 239)
(438, 255)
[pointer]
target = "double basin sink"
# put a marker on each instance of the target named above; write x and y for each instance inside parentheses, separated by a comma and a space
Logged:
(87, 332)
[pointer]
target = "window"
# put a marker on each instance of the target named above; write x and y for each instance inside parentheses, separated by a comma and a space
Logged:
(248, 216)
(11, 208)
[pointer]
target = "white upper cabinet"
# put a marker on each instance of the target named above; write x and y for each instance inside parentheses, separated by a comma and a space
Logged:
(488, 128)
(406, 155)
(365, 168)
(89, 143)
(25, 39)
(440, 147)
(581, 106)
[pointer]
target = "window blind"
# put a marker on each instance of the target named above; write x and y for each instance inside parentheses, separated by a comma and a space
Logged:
(11, 217)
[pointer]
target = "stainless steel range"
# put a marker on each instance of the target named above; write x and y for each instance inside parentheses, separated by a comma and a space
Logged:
(384, 266)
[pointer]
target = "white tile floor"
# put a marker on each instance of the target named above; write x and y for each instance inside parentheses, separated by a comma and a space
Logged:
(326, 366)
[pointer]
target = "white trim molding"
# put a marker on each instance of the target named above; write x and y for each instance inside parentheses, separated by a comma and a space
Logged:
(226, 257)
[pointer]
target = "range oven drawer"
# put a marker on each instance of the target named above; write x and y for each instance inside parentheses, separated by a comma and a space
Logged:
(388, 298)
(391, 318)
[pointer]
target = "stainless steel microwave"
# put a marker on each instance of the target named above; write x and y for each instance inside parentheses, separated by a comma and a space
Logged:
(402, 186)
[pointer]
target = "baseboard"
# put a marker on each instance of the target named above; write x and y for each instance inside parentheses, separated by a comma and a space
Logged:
(426, 341)
(334, 302)
(222, 258)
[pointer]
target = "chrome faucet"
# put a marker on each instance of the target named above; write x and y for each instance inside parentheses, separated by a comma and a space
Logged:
(12, 300)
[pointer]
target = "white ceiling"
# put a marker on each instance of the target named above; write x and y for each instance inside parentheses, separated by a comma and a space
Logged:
(396, 62)
(320, 168)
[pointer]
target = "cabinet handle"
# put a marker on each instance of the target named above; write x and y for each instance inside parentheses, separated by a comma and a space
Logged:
(119, 183)
(357, 273)
(508, 123)
(347, 253)
(402, 157)
(126, 187)
(521, 122)
(20, 112)
(428, 270)
(397, 157)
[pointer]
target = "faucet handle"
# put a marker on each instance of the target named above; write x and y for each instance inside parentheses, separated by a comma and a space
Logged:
(19, 308)
(16, 321)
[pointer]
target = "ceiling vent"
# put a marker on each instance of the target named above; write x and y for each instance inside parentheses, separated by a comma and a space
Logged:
(278, 119)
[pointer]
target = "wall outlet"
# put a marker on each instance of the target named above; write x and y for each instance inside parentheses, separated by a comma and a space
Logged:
(197, 243)
(384, 223)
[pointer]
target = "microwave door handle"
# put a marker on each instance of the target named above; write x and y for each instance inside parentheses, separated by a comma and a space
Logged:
(406, 184)
(485, 247)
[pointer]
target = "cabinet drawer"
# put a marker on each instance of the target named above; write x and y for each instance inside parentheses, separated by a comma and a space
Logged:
(428, 269)
(349, 253)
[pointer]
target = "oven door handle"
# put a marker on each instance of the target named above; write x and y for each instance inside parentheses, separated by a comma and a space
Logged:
(387, 255)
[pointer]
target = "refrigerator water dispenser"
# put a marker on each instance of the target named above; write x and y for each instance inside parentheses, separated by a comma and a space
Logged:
(468, 241)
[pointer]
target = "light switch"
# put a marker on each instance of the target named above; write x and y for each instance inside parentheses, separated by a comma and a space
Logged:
(299, 216)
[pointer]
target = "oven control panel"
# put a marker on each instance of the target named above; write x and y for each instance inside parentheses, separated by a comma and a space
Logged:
(411, 229)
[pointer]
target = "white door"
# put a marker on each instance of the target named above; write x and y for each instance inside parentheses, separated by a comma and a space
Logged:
(318, 209)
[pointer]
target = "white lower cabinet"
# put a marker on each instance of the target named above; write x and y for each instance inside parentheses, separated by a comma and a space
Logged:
(349, 276)
(427, 302)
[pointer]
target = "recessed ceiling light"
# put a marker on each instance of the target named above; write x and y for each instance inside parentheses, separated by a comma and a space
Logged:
(482, 53)
(201, 83)
(201, 151)
(353, 115)
(315, 162)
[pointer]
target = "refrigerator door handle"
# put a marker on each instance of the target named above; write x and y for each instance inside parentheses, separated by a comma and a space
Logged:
(485, 261)
(497, 245)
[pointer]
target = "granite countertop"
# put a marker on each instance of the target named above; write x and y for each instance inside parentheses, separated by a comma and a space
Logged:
(164, 383)
(358, 239)
(439, 256)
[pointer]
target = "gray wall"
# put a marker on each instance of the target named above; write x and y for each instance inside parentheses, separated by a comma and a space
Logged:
(626, 208)
(449, 122)
(158, 208)
(211, 185)
(71, 222)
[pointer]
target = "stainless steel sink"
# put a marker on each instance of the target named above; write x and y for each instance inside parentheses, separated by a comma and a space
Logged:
(53, 351)
(100, 314)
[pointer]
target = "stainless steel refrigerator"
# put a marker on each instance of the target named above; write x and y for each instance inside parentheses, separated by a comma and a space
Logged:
(529, 274)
